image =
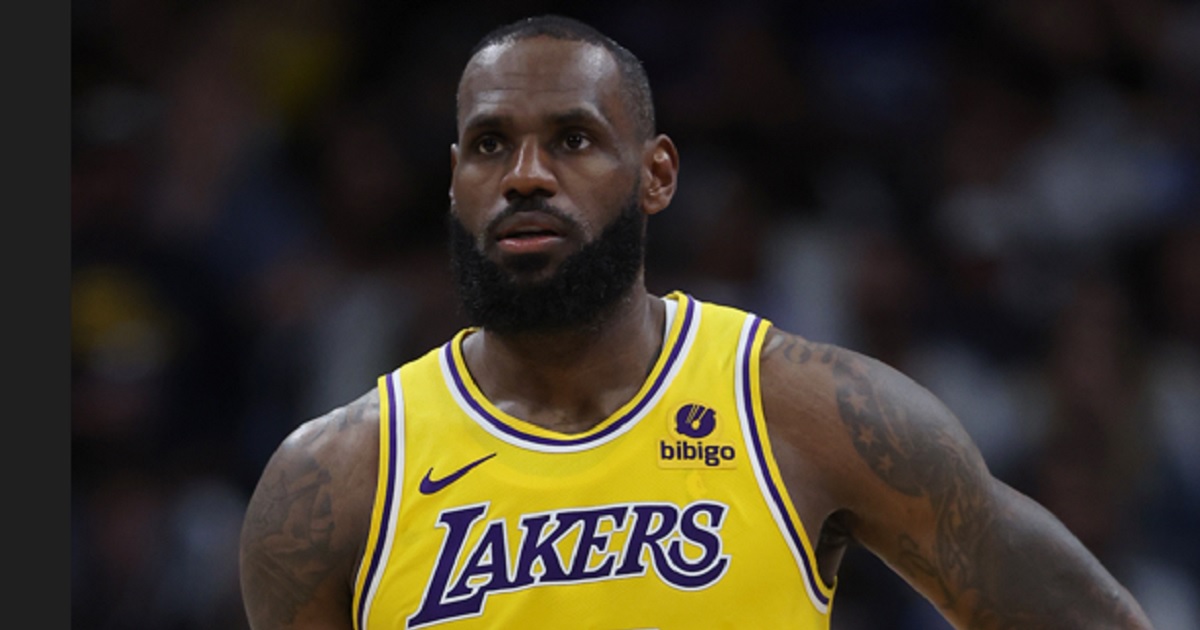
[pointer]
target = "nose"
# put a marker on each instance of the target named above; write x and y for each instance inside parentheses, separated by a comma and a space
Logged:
(529, 173)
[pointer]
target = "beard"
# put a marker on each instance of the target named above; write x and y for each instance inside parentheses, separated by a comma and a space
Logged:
(581, 293)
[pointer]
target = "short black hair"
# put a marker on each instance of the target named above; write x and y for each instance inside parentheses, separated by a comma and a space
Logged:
(635, 85)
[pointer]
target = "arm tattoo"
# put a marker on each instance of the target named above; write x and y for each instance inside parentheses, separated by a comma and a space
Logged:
(292, 526)
(997, 569)
(919, 460)
(800, 352)
(972, 564)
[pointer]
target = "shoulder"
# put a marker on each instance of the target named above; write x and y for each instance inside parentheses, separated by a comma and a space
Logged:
(306, 524)
(338, 441)
(335, 455)
(843, 383)
(802, 379)
(855, 419)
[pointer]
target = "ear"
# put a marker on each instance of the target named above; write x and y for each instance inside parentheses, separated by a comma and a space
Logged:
(453, 167)
(660, 171)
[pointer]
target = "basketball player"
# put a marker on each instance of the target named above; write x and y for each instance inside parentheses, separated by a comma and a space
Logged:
(589, 455)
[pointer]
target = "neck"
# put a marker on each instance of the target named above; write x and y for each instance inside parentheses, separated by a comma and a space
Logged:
(570, 380)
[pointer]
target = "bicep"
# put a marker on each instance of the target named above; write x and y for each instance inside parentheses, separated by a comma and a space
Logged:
(986, 555)
(299, 541)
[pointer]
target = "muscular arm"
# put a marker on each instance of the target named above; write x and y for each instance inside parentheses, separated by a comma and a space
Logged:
(306, 523)
(915, 491)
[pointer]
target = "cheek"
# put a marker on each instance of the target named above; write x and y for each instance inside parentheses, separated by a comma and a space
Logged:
(602, 190)
(468, 188)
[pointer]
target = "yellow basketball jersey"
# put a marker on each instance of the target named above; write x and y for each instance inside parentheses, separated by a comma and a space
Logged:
(669, 514)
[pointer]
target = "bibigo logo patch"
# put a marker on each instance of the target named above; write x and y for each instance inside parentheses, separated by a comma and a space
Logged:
(695, 440)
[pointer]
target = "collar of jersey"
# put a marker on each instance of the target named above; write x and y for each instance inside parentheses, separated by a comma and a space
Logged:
(524, 434)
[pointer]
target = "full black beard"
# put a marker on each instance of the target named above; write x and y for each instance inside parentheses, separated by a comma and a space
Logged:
(581, 293)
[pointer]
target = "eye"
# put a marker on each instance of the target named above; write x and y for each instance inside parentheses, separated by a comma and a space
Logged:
(487, 145)
(576, 141)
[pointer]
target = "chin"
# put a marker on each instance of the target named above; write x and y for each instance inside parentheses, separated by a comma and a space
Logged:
(528, 268)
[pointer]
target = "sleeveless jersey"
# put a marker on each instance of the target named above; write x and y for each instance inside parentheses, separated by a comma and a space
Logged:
(668, 514)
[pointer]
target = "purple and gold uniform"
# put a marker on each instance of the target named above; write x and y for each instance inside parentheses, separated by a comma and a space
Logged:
(668, 514)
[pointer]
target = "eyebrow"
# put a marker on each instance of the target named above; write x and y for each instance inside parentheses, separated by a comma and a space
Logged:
(486, 121)
(570, 117)
(579, 116)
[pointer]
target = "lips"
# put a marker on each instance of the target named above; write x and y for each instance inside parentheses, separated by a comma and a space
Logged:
(528, 225)
(529, 232)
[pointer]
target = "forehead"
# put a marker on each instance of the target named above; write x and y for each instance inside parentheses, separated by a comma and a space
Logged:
(540, 73)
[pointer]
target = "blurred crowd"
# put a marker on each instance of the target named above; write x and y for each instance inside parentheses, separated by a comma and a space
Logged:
(1002, 199)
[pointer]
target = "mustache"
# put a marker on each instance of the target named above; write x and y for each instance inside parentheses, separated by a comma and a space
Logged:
(531, 204)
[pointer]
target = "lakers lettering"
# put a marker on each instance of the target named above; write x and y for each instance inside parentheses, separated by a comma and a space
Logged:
(681, 546)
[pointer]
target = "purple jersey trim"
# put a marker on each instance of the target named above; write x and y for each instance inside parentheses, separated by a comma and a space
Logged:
(760, 455)
(385, 518)
(500, 425)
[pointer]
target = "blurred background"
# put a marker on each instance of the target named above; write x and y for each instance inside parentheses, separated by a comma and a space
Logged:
(1002, 199)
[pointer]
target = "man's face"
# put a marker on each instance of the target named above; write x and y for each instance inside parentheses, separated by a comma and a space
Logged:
(547, 161)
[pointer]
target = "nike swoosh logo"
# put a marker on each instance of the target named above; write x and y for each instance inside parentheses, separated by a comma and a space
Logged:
(430, 485)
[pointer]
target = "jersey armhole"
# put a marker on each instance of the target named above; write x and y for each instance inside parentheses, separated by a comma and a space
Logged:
(387, 496)
(750, 408)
